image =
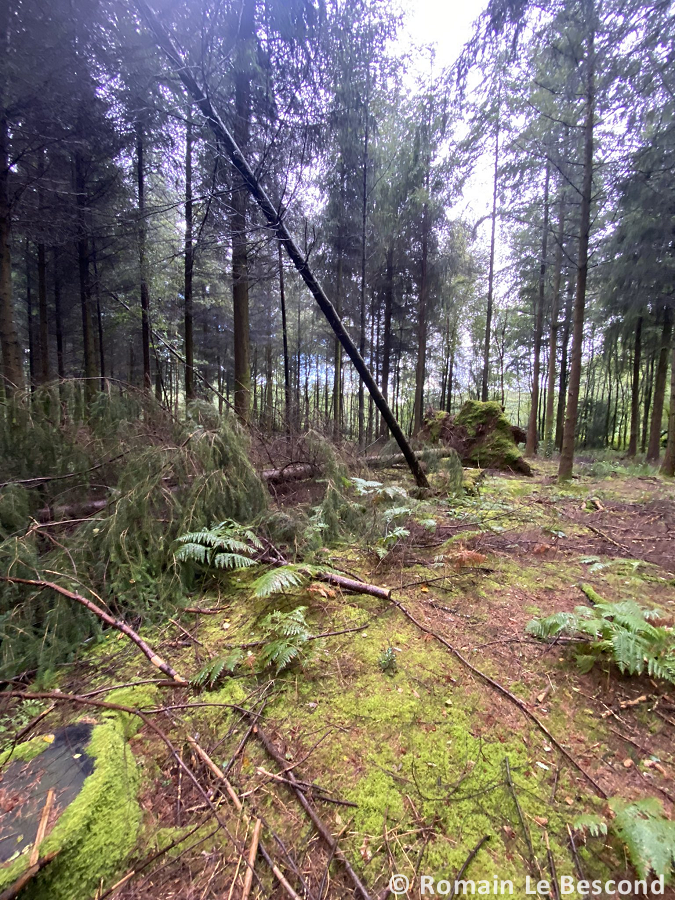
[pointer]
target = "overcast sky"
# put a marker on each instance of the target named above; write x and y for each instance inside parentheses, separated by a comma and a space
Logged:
(447, 24)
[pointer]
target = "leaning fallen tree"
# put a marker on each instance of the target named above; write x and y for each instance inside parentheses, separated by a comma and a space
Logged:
(277, 224)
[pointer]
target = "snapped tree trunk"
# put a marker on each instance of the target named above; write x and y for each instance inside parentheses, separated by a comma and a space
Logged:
(189, 265)
(654, 448)
(278, 226)
(532, 430)
(569, 433)
(635, 392)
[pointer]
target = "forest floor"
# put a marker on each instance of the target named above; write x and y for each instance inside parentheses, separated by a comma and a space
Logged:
(412, 762)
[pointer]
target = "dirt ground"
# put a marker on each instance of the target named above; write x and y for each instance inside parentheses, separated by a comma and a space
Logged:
(410, 769)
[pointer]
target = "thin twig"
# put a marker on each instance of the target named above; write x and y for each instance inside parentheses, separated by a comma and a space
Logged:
(521, 817)
(468, 861)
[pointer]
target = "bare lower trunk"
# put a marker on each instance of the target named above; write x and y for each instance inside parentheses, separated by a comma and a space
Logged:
(635, 392)
(58, 320)
(654, 449)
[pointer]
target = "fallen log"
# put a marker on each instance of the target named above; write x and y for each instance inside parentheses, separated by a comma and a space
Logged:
(290, 472)
(396, 459)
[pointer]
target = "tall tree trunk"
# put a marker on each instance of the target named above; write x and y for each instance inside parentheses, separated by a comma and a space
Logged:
(12, 367)
(567, 453)
(654, 448)
(240, 277)
(635, 392)
(532, 430)
(386, 336)
(85, 280)
(668, 467)
(649, 384)
(189, 265)
(145, 295)
(491, 272)
(284, 331)
(553, 339)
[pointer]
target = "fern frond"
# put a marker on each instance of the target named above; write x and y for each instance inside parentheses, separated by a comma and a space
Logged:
(594, 825)
(621, 630)
(648, 835)
(276, 581)
(232, 561)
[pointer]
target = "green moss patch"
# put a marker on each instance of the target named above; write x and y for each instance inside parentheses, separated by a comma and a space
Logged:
(96, 833)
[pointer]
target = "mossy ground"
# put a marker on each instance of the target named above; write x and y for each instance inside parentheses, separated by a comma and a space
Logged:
(421, 751)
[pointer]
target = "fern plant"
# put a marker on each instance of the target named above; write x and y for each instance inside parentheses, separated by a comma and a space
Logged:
(648, 835)
(216, 668)
(224, 546)
(621, 631)
(285, 634)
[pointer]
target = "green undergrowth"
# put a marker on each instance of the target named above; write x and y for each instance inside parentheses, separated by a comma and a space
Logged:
(162, 478)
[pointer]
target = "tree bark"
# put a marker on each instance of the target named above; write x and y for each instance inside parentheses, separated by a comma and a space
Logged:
(491, 273)
(386, 329)
(532, 431)
(189, 265)
(654, 448)
(635, 392)
(12, 367)
(569, 433)
(278, 226)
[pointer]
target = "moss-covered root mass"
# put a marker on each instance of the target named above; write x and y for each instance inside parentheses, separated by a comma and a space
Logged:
(98, 831)
(492, 443)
